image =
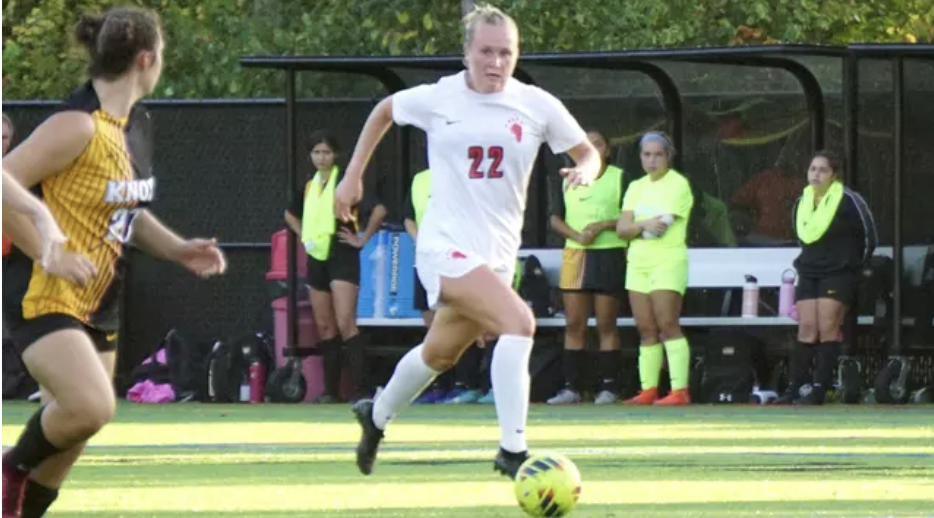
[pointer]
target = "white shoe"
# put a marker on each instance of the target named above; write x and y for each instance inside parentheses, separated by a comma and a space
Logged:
(565, 397)
(605, 397)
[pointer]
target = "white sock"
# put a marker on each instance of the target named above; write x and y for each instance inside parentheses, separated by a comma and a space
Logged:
(511, 382)
(408, 380)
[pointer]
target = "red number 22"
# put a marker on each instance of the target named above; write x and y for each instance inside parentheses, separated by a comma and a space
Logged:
(477, 154)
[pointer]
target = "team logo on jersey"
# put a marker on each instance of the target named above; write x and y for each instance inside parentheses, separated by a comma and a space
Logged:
(515, 127)
(129, 191)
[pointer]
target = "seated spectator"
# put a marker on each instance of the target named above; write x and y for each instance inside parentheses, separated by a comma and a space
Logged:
(770, 195)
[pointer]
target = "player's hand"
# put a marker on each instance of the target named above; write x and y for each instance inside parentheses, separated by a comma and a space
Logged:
(593, 229)
(49, 232)
(202, 257)
(654, 225)
(347, 195)
(350, 238)
(585, 237)
(67, 265)
(575, 177)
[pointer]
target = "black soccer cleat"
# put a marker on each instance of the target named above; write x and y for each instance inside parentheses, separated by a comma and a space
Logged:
(508, 463)
(369, 441)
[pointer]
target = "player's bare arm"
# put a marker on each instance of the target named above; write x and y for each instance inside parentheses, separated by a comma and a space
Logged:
(54, 145)
(375, 221)
(201, 256)
(350, 191)
(587, 168)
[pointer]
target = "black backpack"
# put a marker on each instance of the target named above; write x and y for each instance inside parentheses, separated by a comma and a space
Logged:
(534, 287)
(727, 369)
(228, 366)
(184, 367)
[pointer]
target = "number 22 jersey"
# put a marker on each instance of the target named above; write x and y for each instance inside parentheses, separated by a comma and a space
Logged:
(481, 151)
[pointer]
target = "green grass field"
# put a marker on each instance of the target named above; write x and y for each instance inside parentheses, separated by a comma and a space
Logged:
(272, 461)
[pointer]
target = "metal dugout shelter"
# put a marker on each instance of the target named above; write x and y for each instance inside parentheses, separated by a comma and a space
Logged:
(656, 64)
(890, 384)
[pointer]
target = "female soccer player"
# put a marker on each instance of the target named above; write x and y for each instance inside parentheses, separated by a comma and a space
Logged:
(96, 181)
(656, 210)
(593, 273)
(484, 131)
(838, 235)
(334, 267)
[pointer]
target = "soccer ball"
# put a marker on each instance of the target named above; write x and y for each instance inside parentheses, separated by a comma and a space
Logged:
(548, 484)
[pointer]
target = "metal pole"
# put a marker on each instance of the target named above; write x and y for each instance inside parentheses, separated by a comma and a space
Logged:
(850, 146)
(293, 190)
(851, 119)
(898, 67)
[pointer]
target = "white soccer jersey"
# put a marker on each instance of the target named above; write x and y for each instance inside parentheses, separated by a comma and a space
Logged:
(481, 151)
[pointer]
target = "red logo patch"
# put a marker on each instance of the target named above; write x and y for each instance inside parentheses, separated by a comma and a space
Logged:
(456, 254)
(515, 127)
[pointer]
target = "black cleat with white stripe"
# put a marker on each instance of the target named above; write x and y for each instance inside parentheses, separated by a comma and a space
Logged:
(508, 463)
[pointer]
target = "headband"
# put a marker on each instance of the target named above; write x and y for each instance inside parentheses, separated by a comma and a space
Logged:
(653, 136)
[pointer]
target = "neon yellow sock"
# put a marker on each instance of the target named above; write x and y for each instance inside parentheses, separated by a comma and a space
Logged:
(679, 362)
(650, 365)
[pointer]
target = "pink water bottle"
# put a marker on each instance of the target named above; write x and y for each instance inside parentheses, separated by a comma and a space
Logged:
(786, 293)
(751, 297)
(257, 382)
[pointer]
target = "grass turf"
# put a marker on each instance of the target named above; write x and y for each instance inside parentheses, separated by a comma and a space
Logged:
(270, 461)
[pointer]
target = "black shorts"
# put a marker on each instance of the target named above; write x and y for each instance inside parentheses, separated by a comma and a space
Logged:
(420, 296)
(28, 332)
(594, 270)
(839, 286)
(342, 265)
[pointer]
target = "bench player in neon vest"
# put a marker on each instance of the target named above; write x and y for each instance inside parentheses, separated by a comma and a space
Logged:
(484, 132)
(656, 210)
(91, 163)
(334, 267)
(593, 276)
(838, 236)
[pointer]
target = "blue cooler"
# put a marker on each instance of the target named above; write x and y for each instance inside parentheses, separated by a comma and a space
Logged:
(401, 286)
(372, 299)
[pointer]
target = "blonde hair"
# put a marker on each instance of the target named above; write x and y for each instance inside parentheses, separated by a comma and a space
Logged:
(487, 15)
(8, 122)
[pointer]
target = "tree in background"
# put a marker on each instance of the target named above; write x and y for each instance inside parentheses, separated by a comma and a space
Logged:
(206, 38)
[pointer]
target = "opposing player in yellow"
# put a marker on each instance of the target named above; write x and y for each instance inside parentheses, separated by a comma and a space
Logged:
(656, 211)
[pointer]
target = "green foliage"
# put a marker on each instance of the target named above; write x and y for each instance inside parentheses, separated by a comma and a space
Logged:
(206, 38)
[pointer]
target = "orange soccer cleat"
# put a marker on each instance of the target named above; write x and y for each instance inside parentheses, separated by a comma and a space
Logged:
(646, 397)
(675, 397)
